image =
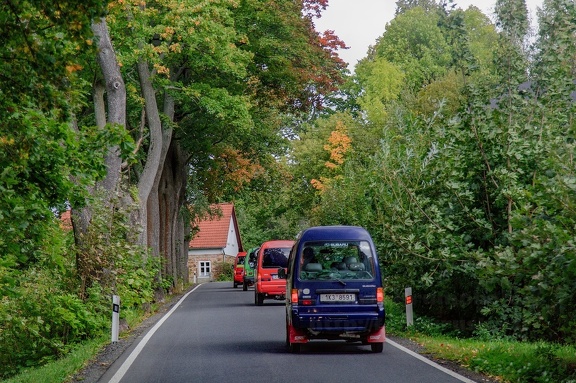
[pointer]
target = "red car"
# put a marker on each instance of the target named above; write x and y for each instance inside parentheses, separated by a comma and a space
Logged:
(239, 268)
(273, 255)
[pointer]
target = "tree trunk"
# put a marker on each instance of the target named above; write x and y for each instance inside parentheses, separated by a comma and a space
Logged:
(172, 195)
(116, 101)
(153, 221)
(108, 187)
(153, 163)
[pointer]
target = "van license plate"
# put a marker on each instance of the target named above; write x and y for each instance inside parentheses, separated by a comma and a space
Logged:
(274, 276)
(337, 297)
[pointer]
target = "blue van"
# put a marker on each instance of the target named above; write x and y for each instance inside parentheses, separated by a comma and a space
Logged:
(334, 288)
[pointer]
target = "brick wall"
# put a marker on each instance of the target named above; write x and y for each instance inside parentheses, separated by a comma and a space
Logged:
(194, 262)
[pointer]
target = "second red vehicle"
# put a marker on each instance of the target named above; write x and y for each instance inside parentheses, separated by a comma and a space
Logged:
(239, 268)
(272, 256)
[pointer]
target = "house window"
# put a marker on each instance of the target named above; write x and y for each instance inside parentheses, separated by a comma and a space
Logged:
(204, 268)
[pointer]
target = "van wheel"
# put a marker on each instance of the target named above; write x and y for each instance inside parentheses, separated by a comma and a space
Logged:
(377, 347)
(244, 286)
(258, 299)
(294, 348)
(235, 284)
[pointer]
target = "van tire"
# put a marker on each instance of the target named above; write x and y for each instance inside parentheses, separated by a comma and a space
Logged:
(235, 284)
(244, 286)
(377, 347)
(258, 299)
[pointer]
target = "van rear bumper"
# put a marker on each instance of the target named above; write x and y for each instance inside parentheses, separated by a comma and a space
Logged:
(304, 335)
(271, 288)
(338, 322)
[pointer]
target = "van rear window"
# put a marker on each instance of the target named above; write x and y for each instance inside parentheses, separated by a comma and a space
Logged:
(336, 260)
(275, 257)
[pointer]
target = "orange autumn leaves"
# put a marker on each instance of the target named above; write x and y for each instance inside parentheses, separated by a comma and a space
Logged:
(339, 143)
(236, 168)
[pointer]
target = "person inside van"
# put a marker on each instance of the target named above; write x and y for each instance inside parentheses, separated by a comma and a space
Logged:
(308, 257)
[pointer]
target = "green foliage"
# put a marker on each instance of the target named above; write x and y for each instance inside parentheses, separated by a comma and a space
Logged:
(414, 42)
(110, 260)
(223, 271)
(382, 82)
(44, 163)
(510, 361)
(44, 317)
(395, 317)
(467, 185)
(41, 54)
(60, 370)
(50, 311)
(270, 207)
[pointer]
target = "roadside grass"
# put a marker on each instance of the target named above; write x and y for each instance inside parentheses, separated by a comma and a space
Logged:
(62, 370)
(508, 360)
(512, 361)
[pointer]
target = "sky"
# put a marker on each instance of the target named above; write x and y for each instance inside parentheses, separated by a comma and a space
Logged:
(360, 22)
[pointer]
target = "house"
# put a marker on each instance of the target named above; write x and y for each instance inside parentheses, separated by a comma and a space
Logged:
(217, 240)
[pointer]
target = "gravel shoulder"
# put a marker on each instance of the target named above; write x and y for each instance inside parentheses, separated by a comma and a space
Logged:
(96, 367)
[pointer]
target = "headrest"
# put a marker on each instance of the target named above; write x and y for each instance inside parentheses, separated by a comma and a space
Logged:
(349, 260)
(356, 266)
(313, 267)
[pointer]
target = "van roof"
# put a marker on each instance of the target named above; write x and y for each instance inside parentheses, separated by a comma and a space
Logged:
(334, 233)
(277, 243)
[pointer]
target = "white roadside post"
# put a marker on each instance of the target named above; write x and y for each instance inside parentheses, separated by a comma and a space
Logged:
(409, 314)
(115, 317)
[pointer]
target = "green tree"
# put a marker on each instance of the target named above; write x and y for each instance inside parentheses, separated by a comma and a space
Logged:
(527, 278)
(414, 42)
(404, 5)
(41, 156)
(382, 83)
(209, 93)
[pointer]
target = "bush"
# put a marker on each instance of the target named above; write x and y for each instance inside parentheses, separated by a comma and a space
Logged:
(53, 306)
(43, 320)
(223, 271)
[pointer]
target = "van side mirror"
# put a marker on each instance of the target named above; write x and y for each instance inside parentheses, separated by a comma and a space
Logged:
(281, 273)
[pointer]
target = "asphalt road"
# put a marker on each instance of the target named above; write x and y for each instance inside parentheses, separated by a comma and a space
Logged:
(215, 333)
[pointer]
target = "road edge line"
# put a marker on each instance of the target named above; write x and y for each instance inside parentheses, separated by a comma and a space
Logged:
(431, 363)
(134, 354)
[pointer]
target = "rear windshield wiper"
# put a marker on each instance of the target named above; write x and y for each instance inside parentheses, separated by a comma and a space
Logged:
(341, 281)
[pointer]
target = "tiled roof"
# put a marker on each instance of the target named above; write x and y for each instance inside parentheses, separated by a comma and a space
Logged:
(213, 232)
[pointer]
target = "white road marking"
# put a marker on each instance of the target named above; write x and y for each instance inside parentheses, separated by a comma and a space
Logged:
(431, 363)
(134, 354)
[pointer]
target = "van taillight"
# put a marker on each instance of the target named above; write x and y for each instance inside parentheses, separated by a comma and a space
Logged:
(294, 296)
(380, 294)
